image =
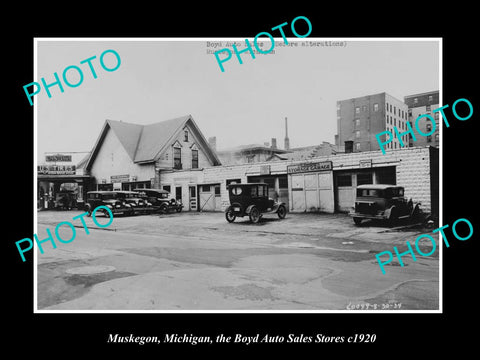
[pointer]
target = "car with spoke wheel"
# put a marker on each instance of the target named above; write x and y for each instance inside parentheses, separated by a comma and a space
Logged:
(252, 200)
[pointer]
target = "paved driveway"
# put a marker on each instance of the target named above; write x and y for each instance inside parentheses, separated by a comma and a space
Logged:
(198, 261)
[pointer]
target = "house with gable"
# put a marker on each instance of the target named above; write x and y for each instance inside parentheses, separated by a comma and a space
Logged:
(129, 156)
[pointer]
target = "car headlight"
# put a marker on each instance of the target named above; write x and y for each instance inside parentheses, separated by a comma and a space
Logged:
(110, 206)
(117, 206)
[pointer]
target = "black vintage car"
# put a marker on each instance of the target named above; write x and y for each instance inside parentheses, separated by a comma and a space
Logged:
(252, 200)
(161, 200)
(384, 202)
(138, 202)
(110, 199)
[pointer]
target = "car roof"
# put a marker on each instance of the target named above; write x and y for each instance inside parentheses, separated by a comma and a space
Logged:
(154, 190)
(247, 184)
(378, 186)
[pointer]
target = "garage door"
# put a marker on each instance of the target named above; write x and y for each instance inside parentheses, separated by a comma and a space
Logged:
(209, 198)
(312, 192)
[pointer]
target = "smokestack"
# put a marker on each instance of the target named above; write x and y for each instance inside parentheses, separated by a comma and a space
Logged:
(287, 140)
(212, 141)
(274, 143)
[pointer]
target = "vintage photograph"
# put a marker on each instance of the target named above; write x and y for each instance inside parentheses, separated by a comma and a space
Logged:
(172, 179)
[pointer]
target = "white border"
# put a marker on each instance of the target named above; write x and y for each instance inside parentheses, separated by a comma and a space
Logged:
(35, 74)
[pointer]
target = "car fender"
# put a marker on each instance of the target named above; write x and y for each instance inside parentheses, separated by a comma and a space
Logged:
(248, 209)
(277, 205)
(388, 211)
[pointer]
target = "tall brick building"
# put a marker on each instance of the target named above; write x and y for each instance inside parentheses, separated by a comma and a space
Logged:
(360, 119)
(419, 104)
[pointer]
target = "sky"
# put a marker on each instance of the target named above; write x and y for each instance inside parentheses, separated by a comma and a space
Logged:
(247, 104)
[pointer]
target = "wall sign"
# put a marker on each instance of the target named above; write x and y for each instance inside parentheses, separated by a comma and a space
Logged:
(58, 157)
(56, 169)
(309, 167)
(119, 178)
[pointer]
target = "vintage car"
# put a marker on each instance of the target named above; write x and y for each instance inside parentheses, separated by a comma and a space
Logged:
(66, 199)
(384, 202)
(107, 198)
(138, 202)
(161, 200)
(252, 200)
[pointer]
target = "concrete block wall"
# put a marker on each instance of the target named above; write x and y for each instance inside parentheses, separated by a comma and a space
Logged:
(412, 170)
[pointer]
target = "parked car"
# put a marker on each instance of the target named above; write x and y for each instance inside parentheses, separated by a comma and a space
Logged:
(252, 200)
(384, 202)
(161, 200)
(66, 199)
(137, 201)
(110, 199)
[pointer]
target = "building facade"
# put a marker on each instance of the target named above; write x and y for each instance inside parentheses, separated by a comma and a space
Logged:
(419, 104)
(130, 156)
(360, 119)
(125, 158)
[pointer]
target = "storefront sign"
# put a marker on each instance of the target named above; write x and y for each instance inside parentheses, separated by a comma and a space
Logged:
(58, 157)
(119, 178)
(264, 169)
(56, 169)
(309, 167)
(365, 164)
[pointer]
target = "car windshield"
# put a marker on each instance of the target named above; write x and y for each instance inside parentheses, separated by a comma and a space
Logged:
(163, 196)
(395, 192)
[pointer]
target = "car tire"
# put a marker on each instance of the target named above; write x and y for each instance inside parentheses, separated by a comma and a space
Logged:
(393, 218)
(254, 215)
(164, 208)
(282, 212)
(230, 215)
(357, 220)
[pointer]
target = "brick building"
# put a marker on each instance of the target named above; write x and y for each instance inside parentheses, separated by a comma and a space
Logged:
(419, 104)
(360, 119)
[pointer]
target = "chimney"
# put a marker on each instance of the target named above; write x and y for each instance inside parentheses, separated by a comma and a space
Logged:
(349, 146)
(212, 141)
(287, 140)
(274, 143)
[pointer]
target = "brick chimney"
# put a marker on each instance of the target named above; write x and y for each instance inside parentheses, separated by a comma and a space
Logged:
(212, 141)
(274, 143)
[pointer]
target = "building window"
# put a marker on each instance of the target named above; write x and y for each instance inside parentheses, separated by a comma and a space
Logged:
(430, 97)
(364, 178)
(357, 134)
(391, 108)
(394, 122)
(357, 109)
(436, 116)
(410, 112)
(429, 127)
(166, 187)
(364, 108)
(217, 190)
(177, 158)
(205, 188)
(429, 138)
(357, 146)
(357, 122)
(387, 120)
(436, 137)
(375, 107)
(415, 100)
(394, 110)
(344, 180)
(185, 136)
(386, 106)
(194, 159)
(429, 108)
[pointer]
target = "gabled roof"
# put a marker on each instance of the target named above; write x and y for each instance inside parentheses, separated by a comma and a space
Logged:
(144, 143)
